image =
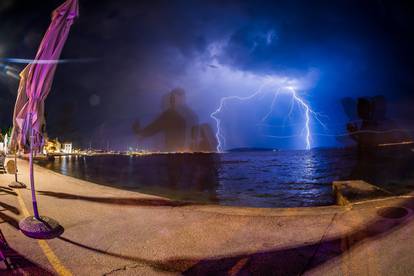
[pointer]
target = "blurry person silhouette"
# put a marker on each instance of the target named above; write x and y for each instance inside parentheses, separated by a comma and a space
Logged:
(362, 134)
(203, 138)
(384, 150)
(175, 123)
(388, 130)
(374, 128)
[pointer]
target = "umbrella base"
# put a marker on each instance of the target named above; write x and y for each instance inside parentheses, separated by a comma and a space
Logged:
(43, 228)
(17, 185)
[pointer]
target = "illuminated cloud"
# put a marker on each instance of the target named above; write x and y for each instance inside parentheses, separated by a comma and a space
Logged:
(214, 49)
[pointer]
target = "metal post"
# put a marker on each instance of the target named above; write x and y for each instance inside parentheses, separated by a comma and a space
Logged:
(35, 226)
(15, 165)
(32, 186)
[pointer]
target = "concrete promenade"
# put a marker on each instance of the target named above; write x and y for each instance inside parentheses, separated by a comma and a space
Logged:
(116, 232)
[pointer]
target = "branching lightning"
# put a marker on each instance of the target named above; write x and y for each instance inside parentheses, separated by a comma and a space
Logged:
(219, 136)
(296, 99)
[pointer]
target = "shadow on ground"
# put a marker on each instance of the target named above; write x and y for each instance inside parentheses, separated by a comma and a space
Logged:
(11, 261)
(282, 261)
(7, 191)
(4, 191)
(119, 200)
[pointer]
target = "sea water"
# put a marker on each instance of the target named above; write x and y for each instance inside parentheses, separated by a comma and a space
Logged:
(285, 178)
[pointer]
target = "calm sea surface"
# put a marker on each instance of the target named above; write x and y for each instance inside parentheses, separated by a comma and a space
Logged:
(259, 179)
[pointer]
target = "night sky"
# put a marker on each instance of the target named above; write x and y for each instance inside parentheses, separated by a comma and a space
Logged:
(128, 54)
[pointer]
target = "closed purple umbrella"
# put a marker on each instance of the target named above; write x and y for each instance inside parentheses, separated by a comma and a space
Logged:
(30, 118)
(21, 100)
(41, 73)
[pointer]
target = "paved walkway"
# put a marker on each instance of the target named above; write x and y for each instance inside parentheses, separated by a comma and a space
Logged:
(115, 232)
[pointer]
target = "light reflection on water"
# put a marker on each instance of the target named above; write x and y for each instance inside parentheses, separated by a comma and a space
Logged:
(259, 179)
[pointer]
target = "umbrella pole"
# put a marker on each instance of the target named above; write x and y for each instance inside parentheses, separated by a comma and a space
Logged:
(32, 185)
(38, 227)
(15, 164)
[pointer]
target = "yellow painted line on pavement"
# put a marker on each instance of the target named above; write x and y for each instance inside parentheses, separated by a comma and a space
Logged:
(53, 259)
(50, 255)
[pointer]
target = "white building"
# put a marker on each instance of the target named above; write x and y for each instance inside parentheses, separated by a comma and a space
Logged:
(67, 148)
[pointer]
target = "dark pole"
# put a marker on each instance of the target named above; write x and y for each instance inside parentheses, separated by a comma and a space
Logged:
(15, 164)
(35, 226)
(32, 186)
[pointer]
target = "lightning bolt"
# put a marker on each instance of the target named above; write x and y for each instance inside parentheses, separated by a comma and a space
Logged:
(296, 99)
(219, 136)
(307, 121)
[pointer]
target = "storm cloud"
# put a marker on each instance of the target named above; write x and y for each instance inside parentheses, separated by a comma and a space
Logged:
(140, 50)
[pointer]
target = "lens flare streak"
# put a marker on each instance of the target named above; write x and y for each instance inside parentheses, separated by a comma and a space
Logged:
(46, 61)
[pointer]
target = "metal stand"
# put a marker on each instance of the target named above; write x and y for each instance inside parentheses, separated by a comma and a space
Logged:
(38, 227)
(16, 184)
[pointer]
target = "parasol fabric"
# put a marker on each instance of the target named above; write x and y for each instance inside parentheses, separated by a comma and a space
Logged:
(37, 78)
(21, 101)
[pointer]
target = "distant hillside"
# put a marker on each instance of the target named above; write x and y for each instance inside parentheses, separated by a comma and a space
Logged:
(251, 149)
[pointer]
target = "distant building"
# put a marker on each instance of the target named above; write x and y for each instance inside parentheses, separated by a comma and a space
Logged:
(67, 147)
(52, 146)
